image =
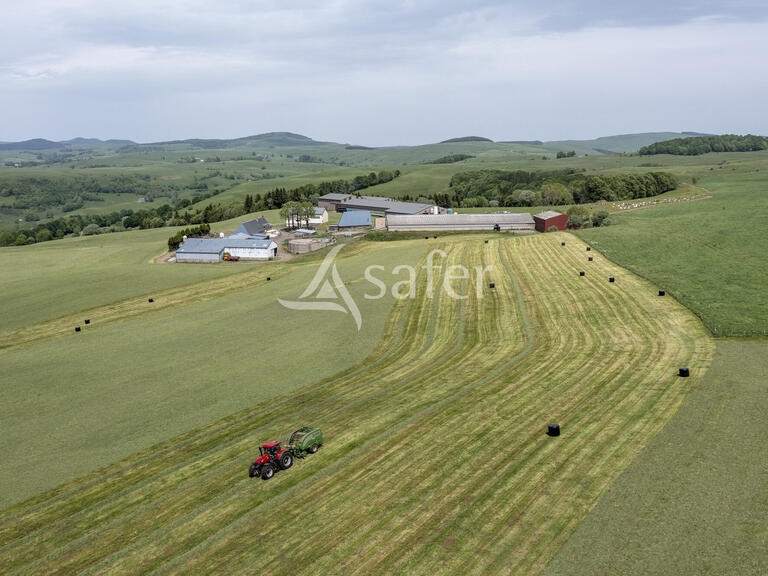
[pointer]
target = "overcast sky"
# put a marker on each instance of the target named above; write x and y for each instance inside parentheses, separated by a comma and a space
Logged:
(381, 72)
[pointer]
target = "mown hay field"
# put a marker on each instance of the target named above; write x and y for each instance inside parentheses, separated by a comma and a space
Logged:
(436, 458)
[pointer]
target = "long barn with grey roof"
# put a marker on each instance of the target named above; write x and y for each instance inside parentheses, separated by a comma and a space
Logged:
(374, 204)
(428, 222)
(213, 249)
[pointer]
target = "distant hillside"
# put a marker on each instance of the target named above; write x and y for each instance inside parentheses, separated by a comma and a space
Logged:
(615, 144)
(34, 144)
(466, 139)
(39, 144)
(277, 139)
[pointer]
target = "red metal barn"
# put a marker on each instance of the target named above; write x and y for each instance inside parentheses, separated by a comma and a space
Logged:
(546, 220)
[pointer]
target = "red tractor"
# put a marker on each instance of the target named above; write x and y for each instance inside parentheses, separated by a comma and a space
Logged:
(271, 459)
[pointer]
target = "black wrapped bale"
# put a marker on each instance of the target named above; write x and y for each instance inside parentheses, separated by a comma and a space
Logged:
(150, 300)
(611, 279)
(77, 328)
(562, 243)
(553, 430)
(435, 237)
(684, 372)
(590, 258)
(426, 237)
(662, 293)
(486, 241)
(269, 278)
(588, 248)
(87, 321)
(492, 285)
(581, 273)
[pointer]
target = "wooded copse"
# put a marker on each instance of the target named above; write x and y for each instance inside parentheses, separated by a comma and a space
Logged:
(705, 144)
(479, 188)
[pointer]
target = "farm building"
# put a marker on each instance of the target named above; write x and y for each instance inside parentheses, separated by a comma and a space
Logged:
(355, 219)
(213, 249)
(258, 226)
(374, 204)
(331, 201)
(434, 222)
(545, 220)
(304, 245)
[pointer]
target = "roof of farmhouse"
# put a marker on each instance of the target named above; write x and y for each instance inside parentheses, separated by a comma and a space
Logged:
(458, 219)
(253, 227)
(548, 214)
(216, 245)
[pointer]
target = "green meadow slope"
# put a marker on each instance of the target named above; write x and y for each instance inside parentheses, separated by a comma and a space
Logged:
(435, 457)
(694, 502)
(709, 254)
(141, 373)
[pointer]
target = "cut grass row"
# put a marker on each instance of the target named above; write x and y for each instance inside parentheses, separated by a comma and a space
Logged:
(435, 458)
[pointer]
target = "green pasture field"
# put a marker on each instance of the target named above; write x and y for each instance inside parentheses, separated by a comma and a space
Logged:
(435, 457)
(709, 254)
(52, 279)
(141, 373)
(695, 502)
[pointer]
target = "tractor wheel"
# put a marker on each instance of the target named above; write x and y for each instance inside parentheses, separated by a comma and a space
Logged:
(313, 448)
(267, 472)
(253, 471)
(286, 460)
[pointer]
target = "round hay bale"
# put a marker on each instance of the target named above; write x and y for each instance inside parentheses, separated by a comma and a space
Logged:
(611, 279)
(662, 293)
(553, 430)
(582, 273)
(150, 300)
(684, 372)
(590, 258)
(492, 285)
(269, 278)
(435, 237)
(426, 237)
(77, 328)
(486, 241)
(588, 248)
(562, 243)
(87, 320)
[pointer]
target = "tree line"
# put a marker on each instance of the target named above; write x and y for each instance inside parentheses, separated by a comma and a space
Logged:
(705, 144)
(481, 188)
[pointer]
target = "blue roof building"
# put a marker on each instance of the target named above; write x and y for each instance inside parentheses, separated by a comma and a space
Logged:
(355, 219)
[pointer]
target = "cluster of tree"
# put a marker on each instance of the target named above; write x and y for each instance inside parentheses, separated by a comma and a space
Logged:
(175, 240)
(705, 144)
(297, 214)
(579, 217)
(482, 188)
(569, 154)
(450, 159)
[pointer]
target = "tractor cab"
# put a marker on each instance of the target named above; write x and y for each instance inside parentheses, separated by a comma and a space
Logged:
(271, 448)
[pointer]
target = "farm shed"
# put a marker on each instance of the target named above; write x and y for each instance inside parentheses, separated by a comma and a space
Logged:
(213, 249)
(320, 217)
(331, 201)
(355, 219)
(545, 220)
(380, 205)
(375, 204)
(255, 227)
(434, 222)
